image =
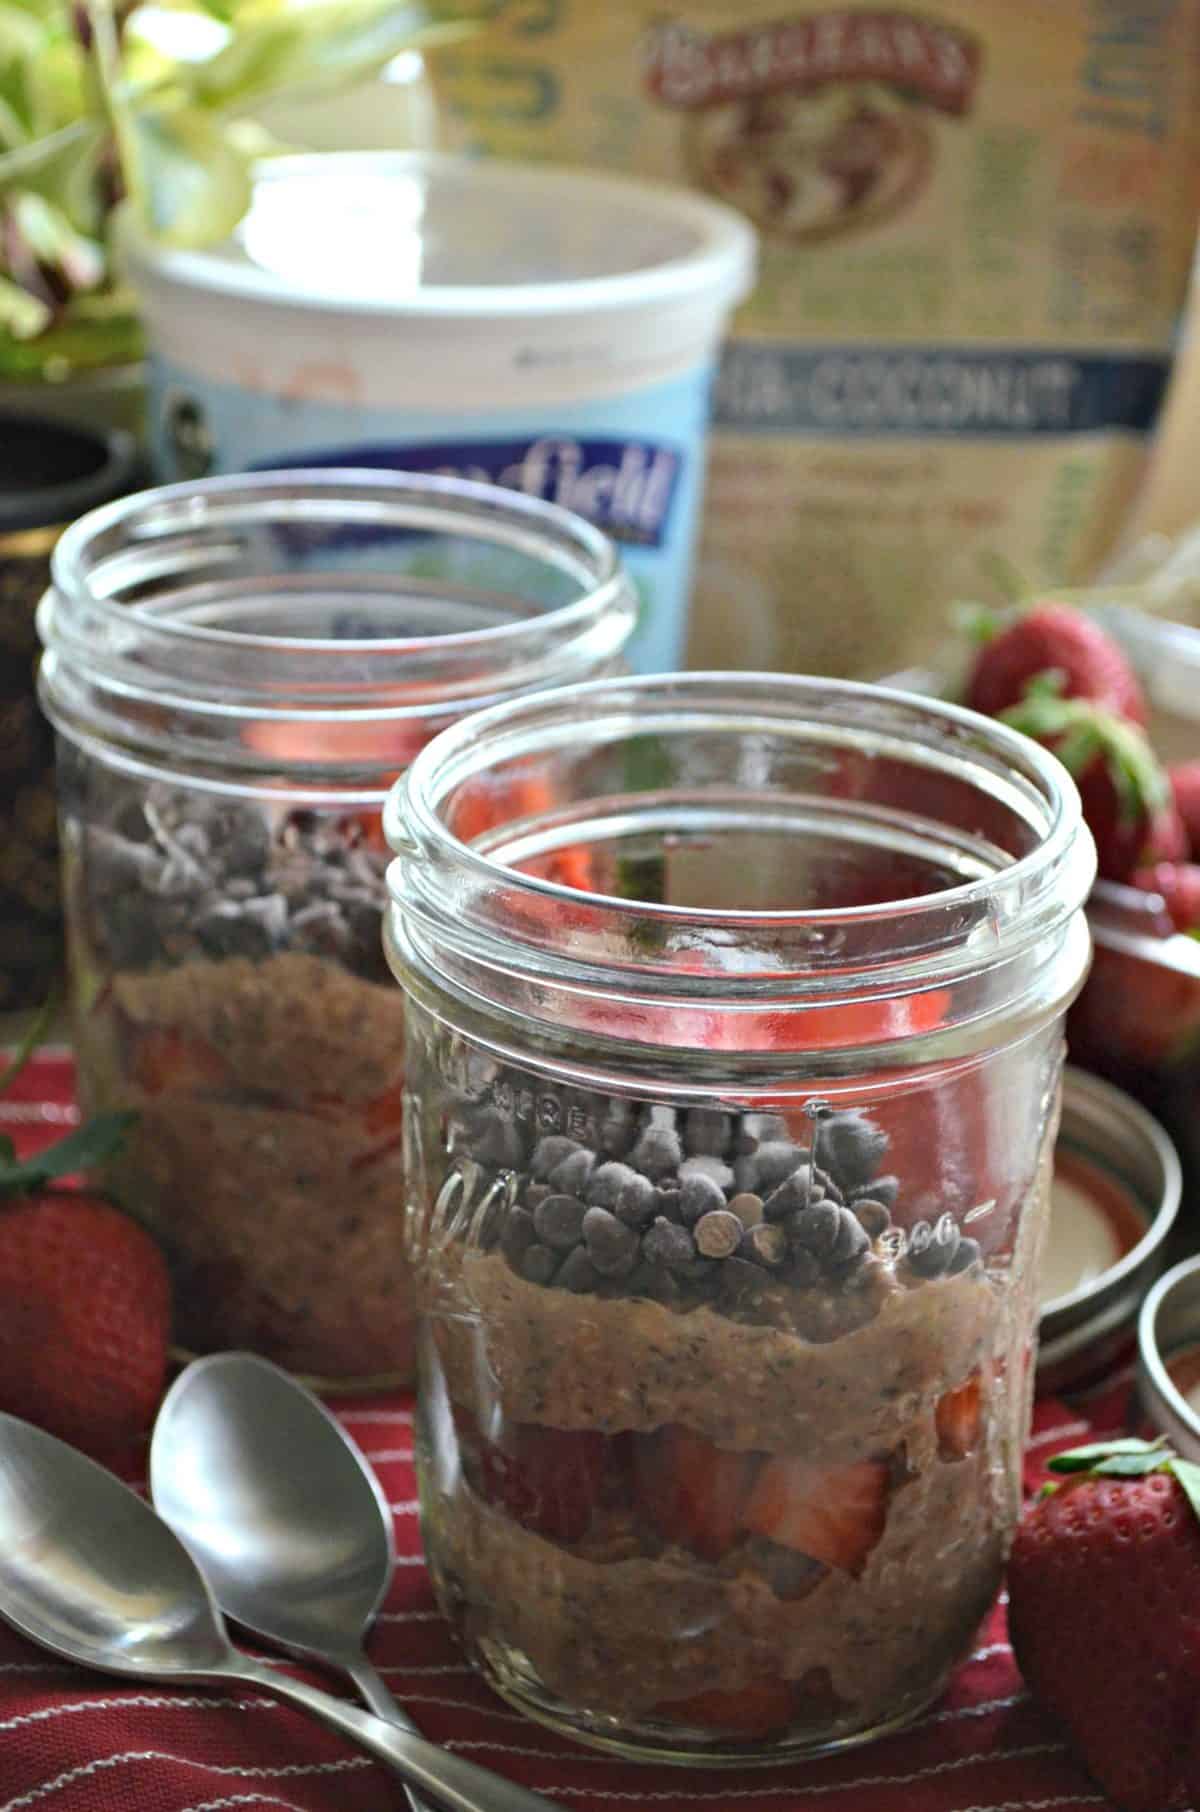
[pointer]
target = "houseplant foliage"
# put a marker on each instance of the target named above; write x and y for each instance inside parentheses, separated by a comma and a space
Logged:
(93, 110)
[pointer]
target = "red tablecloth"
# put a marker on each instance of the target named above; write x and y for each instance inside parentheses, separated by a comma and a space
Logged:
(76, 1742)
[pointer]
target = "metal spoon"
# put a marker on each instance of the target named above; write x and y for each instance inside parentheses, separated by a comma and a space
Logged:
(90, 1572)
(281, 1513)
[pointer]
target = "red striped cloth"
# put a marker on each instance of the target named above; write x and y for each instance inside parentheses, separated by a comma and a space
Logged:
(73, 1742)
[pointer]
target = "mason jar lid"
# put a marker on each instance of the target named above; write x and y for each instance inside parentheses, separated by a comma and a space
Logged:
(1169, 1357)
(1114, 1201)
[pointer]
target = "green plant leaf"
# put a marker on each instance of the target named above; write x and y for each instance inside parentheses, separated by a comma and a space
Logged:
(1083, 1459)
(315, 46)
(1129, 1465)
(190, 185)
(21, 315)
(88, 1145)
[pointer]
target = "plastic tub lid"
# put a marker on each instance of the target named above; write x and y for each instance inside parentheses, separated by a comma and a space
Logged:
(429, 236)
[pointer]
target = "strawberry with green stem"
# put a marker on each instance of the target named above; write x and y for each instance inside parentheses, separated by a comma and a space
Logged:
(84, 1295)
(1124, 790)
(1104, 1616)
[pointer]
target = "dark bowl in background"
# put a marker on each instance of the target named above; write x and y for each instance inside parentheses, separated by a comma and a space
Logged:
(50, 472)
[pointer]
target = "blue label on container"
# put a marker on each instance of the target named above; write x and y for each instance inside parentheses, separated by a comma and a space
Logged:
(920, 390)
(633, 463)
(624, 487)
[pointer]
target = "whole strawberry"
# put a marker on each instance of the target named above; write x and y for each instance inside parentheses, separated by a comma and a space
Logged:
(1104, 1616)
(1126, 798)
(1054, 639)
(1179, 885)
(1185, 785)
(84, 1301)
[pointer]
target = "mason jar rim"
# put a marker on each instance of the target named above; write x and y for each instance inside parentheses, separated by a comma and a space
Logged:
(981, 925)
(206, 503)
(159, 623)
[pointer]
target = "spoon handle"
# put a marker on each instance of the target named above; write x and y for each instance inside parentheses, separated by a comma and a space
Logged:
(454, 1783)
(377, 1697)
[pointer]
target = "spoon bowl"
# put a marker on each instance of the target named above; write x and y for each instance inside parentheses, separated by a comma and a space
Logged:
(90, 1572)
(271, 1497)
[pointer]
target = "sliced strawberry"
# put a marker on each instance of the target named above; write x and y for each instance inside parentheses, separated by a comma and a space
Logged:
(958, 1419)
(163, 1059)
(692, 1492)
(757, 1709)
(547, 1479)
(836, 1514)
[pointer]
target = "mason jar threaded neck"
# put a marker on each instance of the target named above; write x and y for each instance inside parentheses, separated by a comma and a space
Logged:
(745, 863)
(318, 623)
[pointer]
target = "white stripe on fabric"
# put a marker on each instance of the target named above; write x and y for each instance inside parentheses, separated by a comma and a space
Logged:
(174, 1702)
(993, 1648)
(245, 1799)
(409, 1617)
(968, 1711)
(387, 1455)
(105, 1762)
(400, 1418)
(408, 1508)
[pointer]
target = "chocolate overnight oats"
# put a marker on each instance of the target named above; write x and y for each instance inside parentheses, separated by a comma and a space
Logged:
(712, 1444)
(237, 670)
(232, 996)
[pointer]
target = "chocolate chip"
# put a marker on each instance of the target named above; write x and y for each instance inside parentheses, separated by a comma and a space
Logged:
(818, 1229)
(571, 1176)
(519, 1233)
(793, 1195)
(766, 1244)
(774, 1161)
(741, 1282)
(872, 1216)
(804, 1269)
(612, 1246)
(714, 1169)
(718, 1234)
(578, 1273)
(931, 1250)
(699, 1195)
(559, 1221)
(539, 1264)
(533, 1193)
(707, 1132)
(851, 1146)
(757, 1129)
(851, 1243)
(495, 1140)
(618, 1187)
(883, 1189)
(668, 1200)
(669, 1245)
(748, 1208)
(657, 1151)
(549, 1153)
(968, 1254)
(830, 1185)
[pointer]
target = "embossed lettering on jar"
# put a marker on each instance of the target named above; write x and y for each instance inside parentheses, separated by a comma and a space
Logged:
(237, 671)
(734, 1065)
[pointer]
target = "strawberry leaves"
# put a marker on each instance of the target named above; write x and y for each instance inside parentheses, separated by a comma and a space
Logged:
(1082, 733)
(89, 1145)
(1130, 1459)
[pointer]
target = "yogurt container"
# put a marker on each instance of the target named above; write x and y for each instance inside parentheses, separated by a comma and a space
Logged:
(542, 329)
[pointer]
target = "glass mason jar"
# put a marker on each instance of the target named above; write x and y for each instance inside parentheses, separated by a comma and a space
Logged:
(733, 1069)
(237, 670)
